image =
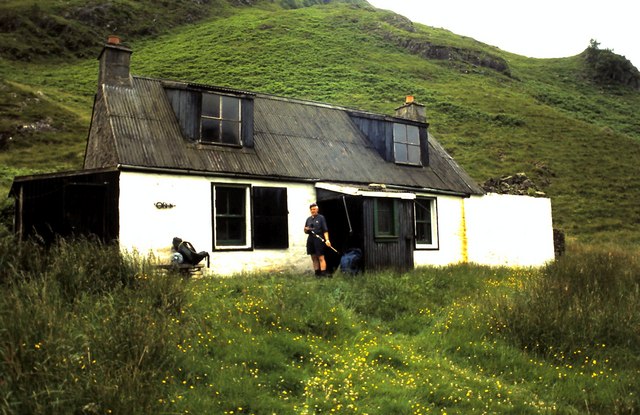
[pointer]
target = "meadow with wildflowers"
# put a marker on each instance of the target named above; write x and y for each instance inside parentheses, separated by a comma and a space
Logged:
(461, 339)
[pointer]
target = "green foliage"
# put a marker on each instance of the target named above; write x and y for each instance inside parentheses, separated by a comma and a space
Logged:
(112, 335)
(83, 329)
(86, 330)
(30, 120)
(496, 113)
(37, 29)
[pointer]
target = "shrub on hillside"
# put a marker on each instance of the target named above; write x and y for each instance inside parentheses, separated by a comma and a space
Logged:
(607, 67)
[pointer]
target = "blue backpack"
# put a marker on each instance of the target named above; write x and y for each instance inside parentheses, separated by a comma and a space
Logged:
(351, 261)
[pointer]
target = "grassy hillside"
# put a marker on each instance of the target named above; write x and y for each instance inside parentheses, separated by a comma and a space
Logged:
(576, 134)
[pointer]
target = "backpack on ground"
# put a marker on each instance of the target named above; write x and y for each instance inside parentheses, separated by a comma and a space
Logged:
(188, 252)
(351, 261)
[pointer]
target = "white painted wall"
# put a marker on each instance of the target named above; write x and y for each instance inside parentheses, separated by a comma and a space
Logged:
(491, 230)
(147, 229)
(450, 234)
(509, 230)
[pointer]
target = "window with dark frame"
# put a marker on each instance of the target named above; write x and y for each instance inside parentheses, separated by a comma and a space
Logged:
(230, 216)
(267, 227)
(220, 120)
(270, 218)
(385, 218)
(406, 144)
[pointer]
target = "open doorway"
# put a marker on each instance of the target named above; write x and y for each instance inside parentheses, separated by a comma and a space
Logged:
(344, 219)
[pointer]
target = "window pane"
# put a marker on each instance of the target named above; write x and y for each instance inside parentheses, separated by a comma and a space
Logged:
(424, 232)
(230, 201)
(401, 153)
(230, 231)
(413, 134)
(210, 130)
(385, 219)
(211, 105)
(399, 133)
(414, 154)
(384, 223)
(230, 132)
(406, 139)
(230, 108)
(221, 201)
(230, 220)
(220, 119)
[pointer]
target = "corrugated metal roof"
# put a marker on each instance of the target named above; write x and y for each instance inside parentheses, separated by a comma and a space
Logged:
(292, 139)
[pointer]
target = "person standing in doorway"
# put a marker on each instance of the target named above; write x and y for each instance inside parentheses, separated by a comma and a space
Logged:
(316, 228)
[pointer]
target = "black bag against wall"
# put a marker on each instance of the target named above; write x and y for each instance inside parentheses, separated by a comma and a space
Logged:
(188, 252)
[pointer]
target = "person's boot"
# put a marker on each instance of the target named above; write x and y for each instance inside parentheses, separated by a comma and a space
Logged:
(318, 273)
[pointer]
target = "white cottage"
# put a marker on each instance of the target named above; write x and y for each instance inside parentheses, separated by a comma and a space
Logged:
(234, 172)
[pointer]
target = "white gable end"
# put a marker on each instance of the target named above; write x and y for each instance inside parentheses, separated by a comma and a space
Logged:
(509, 230)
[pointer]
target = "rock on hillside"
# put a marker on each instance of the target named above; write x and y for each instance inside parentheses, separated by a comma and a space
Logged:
(517, 184)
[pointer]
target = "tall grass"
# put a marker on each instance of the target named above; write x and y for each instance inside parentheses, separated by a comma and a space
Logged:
(582, 312)
(84, 330)
(590, 297)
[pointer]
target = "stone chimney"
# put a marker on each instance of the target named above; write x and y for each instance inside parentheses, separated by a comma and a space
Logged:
(412, 110)
(114, 63)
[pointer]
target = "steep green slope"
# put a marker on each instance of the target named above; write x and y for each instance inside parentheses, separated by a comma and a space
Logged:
(497, 113)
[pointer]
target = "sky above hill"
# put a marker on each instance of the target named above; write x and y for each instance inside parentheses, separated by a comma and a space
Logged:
(537, 29)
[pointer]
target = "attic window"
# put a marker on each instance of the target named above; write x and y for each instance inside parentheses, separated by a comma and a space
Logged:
(406, 144)
(220, 120)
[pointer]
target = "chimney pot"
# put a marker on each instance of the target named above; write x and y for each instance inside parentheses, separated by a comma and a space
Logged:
(114, 63)
(412, 110)
(113, 40)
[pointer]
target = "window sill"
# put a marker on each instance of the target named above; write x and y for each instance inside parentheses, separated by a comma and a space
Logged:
(232, 248)
(427, 248)
(406, 163)
(213, 143)
(386, 239)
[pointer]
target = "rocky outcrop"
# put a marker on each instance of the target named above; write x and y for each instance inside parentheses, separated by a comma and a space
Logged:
(428, 50)
(476, 58)
(399, 21)
(517, 184)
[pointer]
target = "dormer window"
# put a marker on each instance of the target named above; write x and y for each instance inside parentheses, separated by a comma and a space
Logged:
(220, 119)
(406, 144)
(213, 117)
